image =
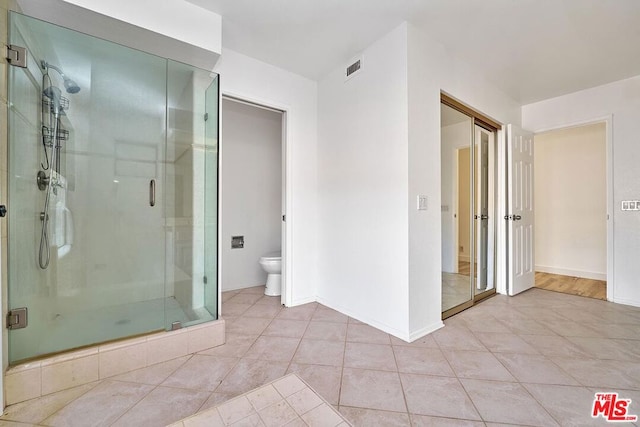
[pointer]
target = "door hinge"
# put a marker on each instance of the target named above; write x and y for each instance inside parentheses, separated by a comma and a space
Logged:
(206, 116)
(204, 280)
(17, 56)
(284, 218)
(17, 318)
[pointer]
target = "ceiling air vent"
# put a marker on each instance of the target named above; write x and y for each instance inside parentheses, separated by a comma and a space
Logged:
(354, 68)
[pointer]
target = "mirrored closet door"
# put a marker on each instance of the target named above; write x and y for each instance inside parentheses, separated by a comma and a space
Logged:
(468, 214)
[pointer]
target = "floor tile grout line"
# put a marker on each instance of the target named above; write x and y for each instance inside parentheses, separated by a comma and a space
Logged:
(344, 356)
(516, 381)
(300, 341)
(134, 405)
(97, 383)
(458, 378)
(240, 358)
(404, 394)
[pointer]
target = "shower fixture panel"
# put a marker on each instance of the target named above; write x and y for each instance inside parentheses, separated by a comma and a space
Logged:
(54, 105)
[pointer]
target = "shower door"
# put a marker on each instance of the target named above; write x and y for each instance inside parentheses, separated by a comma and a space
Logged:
(125, 226)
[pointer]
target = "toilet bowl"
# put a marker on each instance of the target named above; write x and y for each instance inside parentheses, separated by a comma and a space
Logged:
(272, 264)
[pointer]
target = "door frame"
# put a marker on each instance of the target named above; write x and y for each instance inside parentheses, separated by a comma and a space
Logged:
(608, 121)
(287, 235)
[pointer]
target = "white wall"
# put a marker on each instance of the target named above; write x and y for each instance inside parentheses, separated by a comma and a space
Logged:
(250, 79)
(362, 170)
(571, 201)
(379, 148)
(252, 192)
(621, 100)
(454, 137)
(432, 69)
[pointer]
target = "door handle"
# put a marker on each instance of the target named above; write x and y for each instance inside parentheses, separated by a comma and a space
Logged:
(152, 192)
(513, 217)
(517, 217)
(481, 217)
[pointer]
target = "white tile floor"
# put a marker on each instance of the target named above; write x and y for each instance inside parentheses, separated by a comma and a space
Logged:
(534, 359)
(288, 401)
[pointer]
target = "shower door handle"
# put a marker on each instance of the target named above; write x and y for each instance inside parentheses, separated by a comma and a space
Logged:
(152, 192)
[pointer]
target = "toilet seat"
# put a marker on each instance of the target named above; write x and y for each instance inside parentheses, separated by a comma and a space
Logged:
(273, 256)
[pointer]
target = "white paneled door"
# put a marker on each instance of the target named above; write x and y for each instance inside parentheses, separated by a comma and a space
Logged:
(520, 221)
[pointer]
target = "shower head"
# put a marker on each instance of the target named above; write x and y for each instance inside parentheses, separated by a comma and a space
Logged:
(54, 94)
(70, 85)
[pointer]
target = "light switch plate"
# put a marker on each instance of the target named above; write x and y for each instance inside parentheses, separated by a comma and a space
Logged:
(631, 205)
(422, 202)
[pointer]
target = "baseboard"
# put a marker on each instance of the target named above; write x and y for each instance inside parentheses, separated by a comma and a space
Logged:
(425, 331)
(403, 335)
(573, 273)
(303, 301)
(626, 302)
(239, 287)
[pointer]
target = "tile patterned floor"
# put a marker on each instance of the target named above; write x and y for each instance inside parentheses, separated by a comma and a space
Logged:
(534, 359)
(287, 401)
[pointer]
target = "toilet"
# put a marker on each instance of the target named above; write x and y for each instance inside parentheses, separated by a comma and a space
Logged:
(272, 264)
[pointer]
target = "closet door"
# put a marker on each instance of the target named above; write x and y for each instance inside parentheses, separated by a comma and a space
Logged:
(484, 209)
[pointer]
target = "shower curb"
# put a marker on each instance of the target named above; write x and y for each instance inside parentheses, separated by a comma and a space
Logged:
(41, 377)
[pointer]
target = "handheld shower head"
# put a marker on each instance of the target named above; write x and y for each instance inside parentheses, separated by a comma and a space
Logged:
(70, 85)
(54, 94)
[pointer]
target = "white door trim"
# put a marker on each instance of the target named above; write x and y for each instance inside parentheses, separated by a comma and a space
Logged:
(287, 185)
(608, 121)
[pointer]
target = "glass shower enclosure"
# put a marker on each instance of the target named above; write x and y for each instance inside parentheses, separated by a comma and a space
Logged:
(112, 222)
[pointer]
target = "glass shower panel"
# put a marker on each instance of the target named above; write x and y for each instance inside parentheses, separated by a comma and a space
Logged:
(104, 240)
(212, 101)
(187, 210)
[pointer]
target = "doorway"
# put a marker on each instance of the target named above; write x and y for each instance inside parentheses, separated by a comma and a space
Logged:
(468, 165)
(571, 210)
(252, 195)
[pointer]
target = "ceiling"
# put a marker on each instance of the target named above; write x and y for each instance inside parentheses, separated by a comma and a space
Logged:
(530, 49)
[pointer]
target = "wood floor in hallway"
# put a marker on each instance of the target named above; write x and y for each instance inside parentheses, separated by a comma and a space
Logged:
(572, 285)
